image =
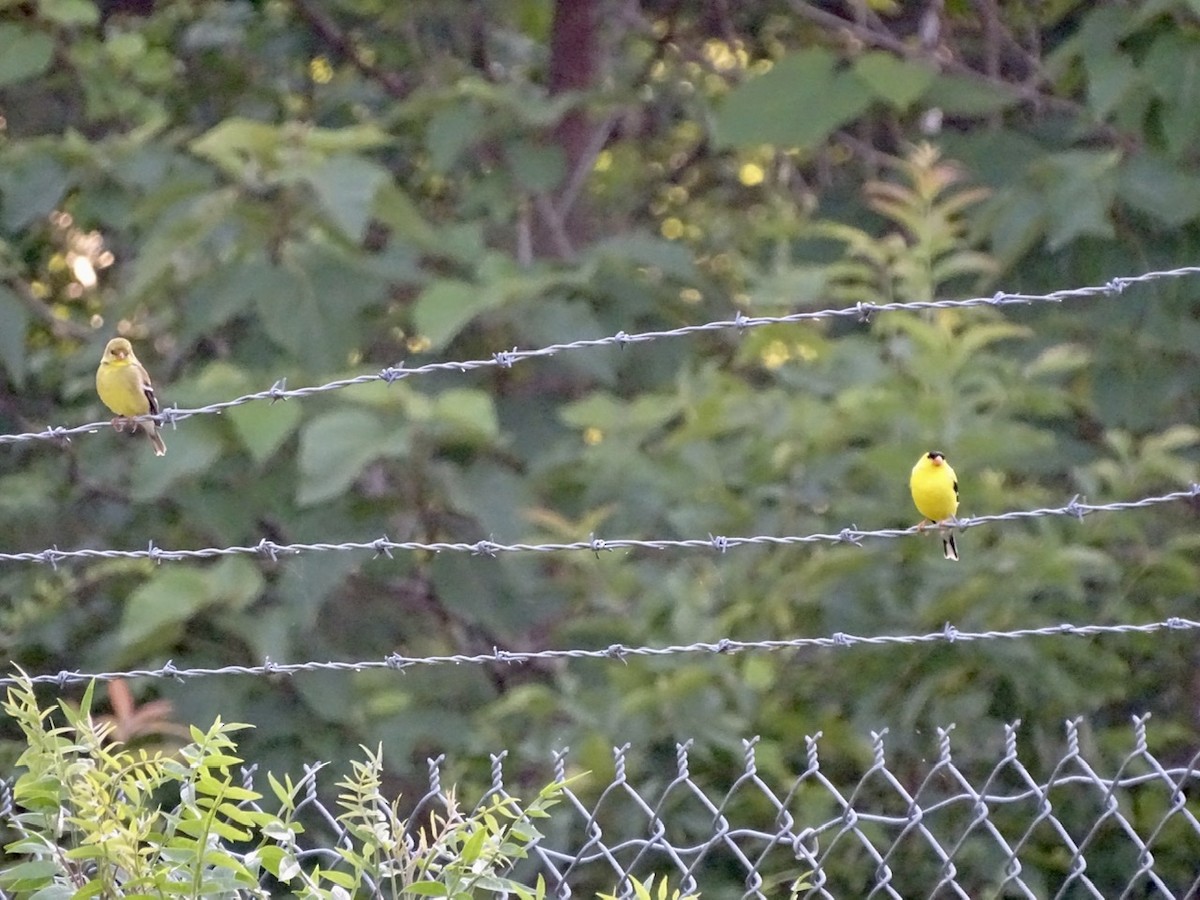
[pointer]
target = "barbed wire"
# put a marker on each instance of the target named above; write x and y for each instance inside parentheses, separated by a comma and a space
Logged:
(619, 652)
(385, 546)
(507, 358)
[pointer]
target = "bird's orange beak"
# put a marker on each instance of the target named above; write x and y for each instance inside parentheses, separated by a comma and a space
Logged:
(937, 460)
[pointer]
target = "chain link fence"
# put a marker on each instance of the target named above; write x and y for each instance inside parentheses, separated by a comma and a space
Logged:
(1124, 828)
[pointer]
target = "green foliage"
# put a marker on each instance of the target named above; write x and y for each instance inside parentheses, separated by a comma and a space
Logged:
(96, 818)
(645, 891)
(90, 819)
(257, 193)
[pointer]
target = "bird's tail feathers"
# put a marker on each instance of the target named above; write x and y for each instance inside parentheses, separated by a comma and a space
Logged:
(949, 547)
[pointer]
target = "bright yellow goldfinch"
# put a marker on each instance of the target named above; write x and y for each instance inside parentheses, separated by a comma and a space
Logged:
(934, 489)
(125, 388)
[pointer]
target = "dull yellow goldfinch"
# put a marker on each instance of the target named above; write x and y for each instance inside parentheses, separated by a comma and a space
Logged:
(125, 388)
(934, 489)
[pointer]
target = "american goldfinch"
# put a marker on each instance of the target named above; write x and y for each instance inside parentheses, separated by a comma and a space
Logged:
(934, 489)
(125, 388)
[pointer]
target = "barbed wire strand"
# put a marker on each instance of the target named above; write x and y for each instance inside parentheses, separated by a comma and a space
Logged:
(619, 652)
(507, 358)
(385, 546)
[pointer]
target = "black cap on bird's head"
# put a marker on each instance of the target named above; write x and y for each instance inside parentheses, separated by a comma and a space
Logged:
(937, 456)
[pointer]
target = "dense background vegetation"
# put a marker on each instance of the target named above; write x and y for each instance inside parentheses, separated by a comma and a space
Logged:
(310, 190)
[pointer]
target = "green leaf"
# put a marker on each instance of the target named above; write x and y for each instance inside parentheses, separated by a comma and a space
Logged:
(192, 448)
(341, 879)
(263, 427)
(473, 846)
(428, 889)
(466, 413)
(336, 447)
(536, 167)
(451, 130)
(1016, 220)
(234, 143)
(232, 292)
(156, 612)
(896, 81)
(1110, 79)
(344, 284)
(30, 189)
(14, 320)
(69, 12)
(602, 410)
(273, 860)
(445, 307)
(1172, 69)
(126, 48)
(633, 249)
(395, 208)
(339, 140)
(24, 53)
(346, 187)
(292, 316)
(228, 832)
(960, 95)
(1079, 186)
(1152, 185)
(798, 103)
(235, 582)
(32, 871)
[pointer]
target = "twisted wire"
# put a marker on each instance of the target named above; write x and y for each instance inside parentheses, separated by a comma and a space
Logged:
(507, 358)
(385, 546)
(619, 652)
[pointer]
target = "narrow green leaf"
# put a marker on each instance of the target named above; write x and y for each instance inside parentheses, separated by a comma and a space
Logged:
(428, 889)
(285, 793)
(220, 761)
(473, 846)
(347, 139)
(341, 879)
(229, 832)
(237, 794)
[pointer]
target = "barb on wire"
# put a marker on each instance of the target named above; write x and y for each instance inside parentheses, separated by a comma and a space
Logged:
(385, 546)
(506, 358)
(949, 634)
